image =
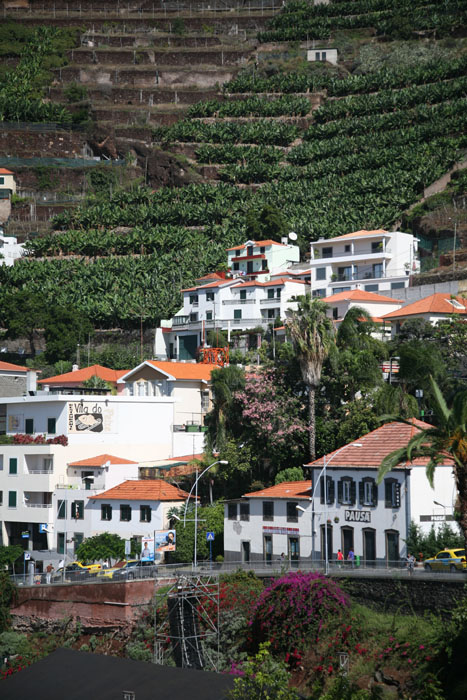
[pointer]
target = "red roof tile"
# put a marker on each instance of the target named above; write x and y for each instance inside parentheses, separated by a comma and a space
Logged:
(143, 490)
(210, 285)
(375, 446)
(361, 295)
(256, 243)
(360, 233)
(81, 375)
(4, 171)
(185, 370)
(439, 303)
(8, 367)
(288, 489)
(100, 461)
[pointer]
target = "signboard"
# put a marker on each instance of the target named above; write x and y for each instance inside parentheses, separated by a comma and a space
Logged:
(271, 530)
(25, 534)
(27, 556)
(43, 528)
(127, 547)
(210, 537)
(16, 423)
(147, 548)
(89, 417)
(165, 540)
(435, 518)
(358, 516)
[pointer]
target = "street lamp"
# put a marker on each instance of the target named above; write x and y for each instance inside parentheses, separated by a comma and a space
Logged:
(323, 471)
(195, 486)
(440, 504)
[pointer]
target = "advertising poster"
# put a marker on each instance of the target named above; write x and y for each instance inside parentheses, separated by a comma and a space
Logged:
(89, 417)
(16, 423)
(147, 549)
(165, 540)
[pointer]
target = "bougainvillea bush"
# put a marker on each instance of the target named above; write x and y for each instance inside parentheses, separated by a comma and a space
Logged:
(293, 610)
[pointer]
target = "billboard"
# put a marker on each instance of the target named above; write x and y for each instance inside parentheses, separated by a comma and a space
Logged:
(147, 549)
(165, 540)
(89, 417)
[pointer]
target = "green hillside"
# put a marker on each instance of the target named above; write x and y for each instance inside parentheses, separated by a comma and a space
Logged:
(391, 120)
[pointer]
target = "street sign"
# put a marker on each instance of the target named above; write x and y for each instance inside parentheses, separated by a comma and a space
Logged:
(43, 528)
(25, 534)
(127, 547)
(27, 556)
(210, 537)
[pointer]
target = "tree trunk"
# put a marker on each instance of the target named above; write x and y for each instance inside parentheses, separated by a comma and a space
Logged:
(311, 421)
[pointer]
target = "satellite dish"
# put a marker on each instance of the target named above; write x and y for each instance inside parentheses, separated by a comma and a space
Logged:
(293, 236)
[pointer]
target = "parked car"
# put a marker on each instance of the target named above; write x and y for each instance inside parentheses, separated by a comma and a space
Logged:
(104, 574)
(77, 571)
(447, 560)
(135, 569)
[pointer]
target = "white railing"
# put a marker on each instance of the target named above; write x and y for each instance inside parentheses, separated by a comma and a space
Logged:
(38, 505)
(271, 300)
(239, 301)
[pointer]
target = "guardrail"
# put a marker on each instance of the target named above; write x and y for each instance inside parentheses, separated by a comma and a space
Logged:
(274, 567)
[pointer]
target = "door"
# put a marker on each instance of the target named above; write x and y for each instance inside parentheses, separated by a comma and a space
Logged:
(187, 347)
(323, 542)
(369, 547)
(246, 552)
(267, 549)
(392, 547)
(347, 541)
(294, 551)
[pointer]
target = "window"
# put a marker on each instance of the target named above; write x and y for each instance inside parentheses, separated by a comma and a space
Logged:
(11, 499)
(237, 313)
(335, 313)
(77, 510)
(1, 498)
(208, 315)
(106, 511)
(244, 511)
(371, 287)
(292, 512)
(347, 249)
(330, 490)
(209, 296)
(323, 55)
(264, 264)
(193, 318)
(2, 180)
(270, 293)
(236, 266)
(48, 464)
(346, 491)
(319, 292)
(367, 492)
(377, 270)
(273, 314)
(344, 273)
(249, 250)
(243, 294)
(268, 510)
(125, 513)
(78, 538)
(278, 292)
(317, 55)
(51, 426)
(249, 267)
(205, 400)
(145, 514)
(232, 511)
(61, 543)
(61, 509)
(392, 493)
(320, 273)
(376, 246)
(397, 285)
(262, 249)
(29, 426)
(327, 252)
(193, 298)
(13, 468)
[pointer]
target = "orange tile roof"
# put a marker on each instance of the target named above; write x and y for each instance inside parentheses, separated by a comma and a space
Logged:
(256, 243)
(4, 171)
(359, 234)
(360, 295)
(100, 461)
(271, 283)
(288, 489)
(185, 370)
(143, 490)
(211, 276)
(81, 375)
(375, 446)
(210, 285)
(439, 303)
(8, 367)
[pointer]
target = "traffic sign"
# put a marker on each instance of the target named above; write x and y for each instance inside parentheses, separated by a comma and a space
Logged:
(27, 556)
(210, 536)
(43, 528)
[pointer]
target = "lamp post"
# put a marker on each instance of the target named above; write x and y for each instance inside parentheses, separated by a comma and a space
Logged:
(437, 503)
(323, 471)
(195, 486)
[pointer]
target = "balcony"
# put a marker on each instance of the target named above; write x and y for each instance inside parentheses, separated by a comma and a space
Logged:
(273, 300)
(359, 254)
(236, 302)
(37, 505)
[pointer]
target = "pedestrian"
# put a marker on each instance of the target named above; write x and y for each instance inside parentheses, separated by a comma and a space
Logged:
(48, 573)
(351, 557)
(340, 558)
(410, 563)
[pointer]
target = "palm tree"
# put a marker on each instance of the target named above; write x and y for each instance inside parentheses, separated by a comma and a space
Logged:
(312, 335)
(355, 329)
(224, 383)
(447, 440)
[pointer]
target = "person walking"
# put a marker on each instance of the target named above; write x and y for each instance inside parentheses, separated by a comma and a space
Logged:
(410, 563)
(340, 558)
(351, 557)
(48, 573)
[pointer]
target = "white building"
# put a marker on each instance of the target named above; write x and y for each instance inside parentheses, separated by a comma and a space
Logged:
(261, 258)
(375, 261)
(356, 513)
(376, 305)
(10, 249)
(433, 309)
(322, 54)
(15, 380)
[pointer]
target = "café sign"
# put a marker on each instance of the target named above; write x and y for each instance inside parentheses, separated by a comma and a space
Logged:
(358, 516)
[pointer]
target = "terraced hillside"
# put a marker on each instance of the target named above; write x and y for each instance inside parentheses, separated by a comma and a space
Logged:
(336, 148)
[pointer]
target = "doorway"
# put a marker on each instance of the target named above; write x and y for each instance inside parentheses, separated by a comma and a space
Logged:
(294, 551)
(267, 549)
(369, 547)
(347, 541)
(323, 542)
(392, 547)
(245, 552)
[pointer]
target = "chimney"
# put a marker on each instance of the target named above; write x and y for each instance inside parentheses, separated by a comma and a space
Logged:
(75, 368)
(31, 382)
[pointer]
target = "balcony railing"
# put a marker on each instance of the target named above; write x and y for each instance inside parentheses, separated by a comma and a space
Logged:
(348, 254)
(239, 301)
(37, 505)
(369, 275)
(40, 471)
(272, 300)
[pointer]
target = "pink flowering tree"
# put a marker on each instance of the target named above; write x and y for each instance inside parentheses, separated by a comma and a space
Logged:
(273, 420)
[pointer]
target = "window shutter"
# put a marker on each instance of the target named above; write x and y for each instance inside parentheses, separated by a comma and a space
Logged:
(339, 491)
(322, 491)
(353, 492)
(374, 493)
(332, 491)
(397, 495)
(387, 494)
(361, 492)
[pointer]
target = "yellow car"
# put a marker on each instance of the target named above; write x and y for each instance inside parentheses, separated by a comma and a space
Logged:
(109, 573)
(88, 567)
(447, 560)
(76, 571)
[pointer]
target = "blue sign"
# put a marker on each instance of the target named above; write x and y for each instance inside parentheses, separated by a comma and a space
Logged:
(43, 528)
(210, 537)
(25, 534)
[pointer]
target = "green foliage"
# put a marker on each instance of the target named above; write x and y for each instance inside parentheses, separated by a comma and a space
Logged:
(210, 519)
(102, 180)
(9, 554)
(75, 92)
(266, 223)
(101, 547)
(8, 594)
(64, 329)
(344, 689)
(429, 544)
(264, 679)
(289, 474)
(13, 643)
